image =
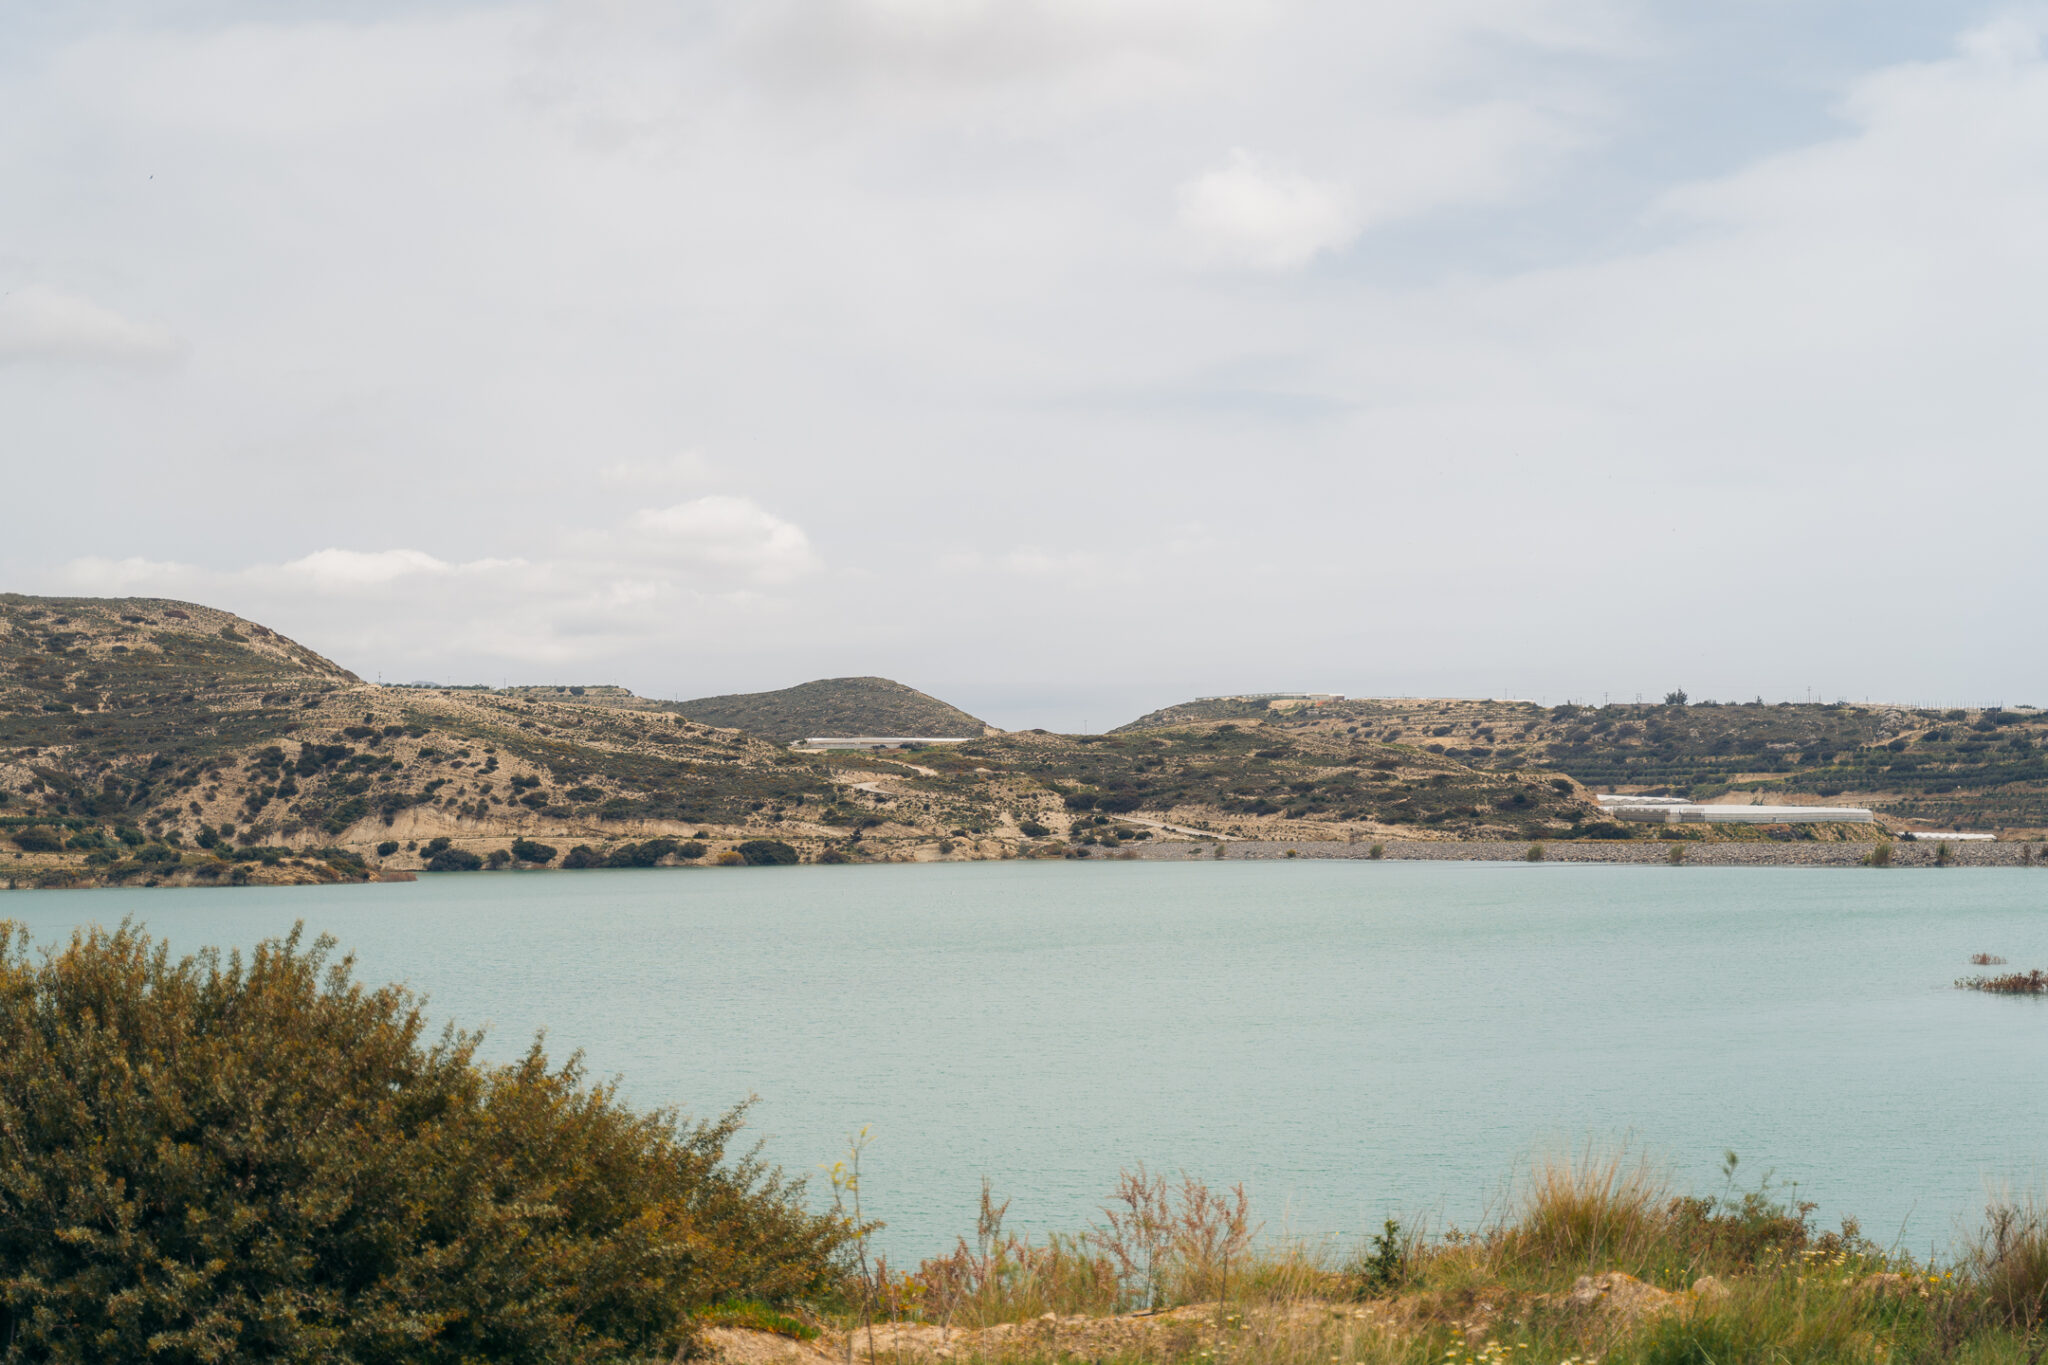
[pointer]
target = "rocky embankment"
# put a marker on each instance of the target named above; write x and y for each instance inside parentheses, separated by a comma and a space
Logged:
(1698, 853)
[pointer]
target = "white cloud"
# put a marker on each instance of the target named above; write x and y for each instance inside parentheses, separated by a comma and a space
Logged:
(1119, 49)
(332, 570)
(728, 533)
(477, 276)
(42, 323)
(594, 594)
(127, 576)
(1247, 215)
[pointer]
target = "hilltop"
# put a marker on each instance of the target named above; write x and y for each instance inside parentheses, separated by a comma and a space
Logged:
(168, 743)
(1977, 768)
(835, 706)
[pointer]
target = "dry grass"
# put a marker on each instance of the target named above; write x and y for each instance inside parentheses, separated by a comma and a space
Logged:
(1593, 1259)
(1582, 1213)
(2010, 1260)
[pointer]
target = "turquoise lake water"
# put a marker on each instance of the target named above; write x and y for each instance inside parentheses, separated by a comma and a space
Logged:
(1349, 1039)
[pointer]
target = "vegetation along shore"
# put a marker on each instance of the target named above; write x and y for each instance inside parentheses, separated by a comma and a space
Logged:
(156, 743)
(229, 1157)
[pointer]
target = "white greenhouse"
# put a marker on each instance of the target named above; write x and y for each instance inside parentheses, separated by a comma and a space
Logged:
(1672, 810)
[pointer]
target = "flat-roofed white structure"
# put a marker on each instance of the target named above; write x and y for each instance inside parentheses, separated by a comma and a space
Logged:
(1924, 836)
(1672, 810)
(875, 741)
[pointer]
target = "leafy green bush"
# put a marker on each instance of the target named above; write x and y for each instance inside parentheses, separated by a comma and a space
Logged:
(454, 860)
(1031, 829)
(263, 1159)
(641, 855)
(583, 855)
(387, 848)
(34, 840)
(528, 851)
(690, 850)
(767, 853)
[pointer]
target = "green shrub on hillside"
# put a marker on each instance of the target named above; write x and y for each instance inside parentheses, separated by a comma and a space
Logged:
(219, 1159)
(646, 854)
(530, 851)
(767, 853)
(454, 860)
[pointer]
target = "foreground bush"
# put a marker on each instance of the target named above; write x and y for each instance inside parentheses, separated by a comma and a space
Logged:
(227, 1160)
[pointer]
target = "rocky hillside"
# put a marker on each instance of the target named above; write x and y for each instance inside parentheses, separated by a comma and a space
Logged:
(166, 743)
(1978, 769)
(835, 706)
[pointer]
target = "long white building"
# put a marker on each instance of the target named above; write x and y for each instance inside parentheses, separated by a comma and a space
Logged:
(1672, 810)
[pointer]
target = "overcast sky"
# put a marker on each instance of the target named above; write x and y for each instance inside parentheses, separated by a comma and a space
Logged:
(1061, 357)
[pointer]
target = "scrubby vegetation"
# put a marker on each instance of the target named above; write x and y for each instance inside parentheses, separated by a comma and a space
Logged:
(2034, 982)
(204, 734)
(834, 706)
(227, 1159)
(1596, 1259)
(1984, 768)
(151, 742)
(1241, 777)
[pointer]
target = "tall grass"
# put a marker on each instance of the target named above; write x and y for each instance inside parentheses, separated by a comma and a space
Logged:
(1159, 1243)
(2010, 1260)
(1588, 1212)
(1739, 1277)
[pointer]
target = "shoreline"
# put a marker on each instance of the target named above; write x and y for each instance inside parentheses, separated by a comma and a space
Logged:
(1646, 852)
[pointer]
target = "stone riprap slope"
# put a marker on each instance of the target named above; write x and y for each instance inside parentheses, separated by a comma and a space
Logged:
(1984, 769)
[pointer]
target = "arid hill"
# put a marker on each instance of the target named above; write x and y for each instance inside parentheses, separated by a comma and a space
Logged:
(835, 706)
(161, 742)
(1976, 768)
